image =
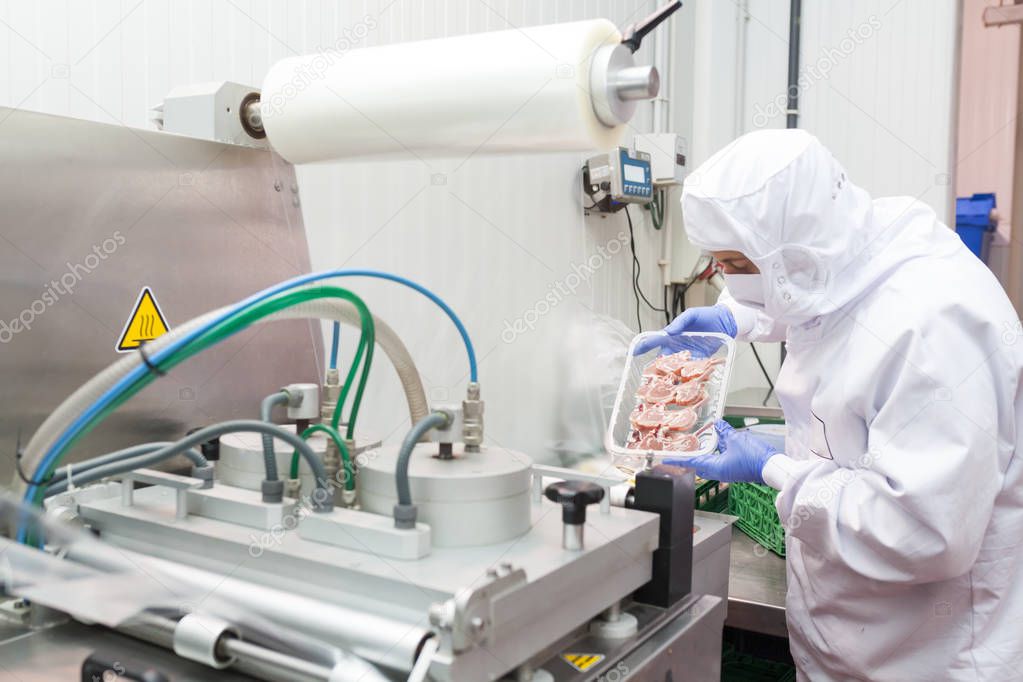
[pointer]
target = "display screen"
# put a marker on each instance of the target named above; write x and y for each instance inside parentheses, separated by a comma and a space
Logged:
(634, 173)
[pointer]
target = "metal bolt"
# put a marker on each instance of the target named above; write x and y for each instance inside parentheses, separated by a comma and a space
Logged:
(477, 625)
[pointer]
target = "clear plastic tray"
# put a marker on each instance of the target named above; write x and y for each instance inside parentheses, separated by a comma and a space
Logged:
(702, 345)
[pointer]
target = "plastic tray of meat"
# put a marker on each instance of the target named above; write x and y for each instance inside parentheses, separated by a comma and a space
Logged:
(669, 399)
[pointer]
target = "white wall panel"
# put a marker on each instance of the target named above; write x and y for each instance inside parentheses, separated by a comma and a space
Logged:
(494, 236)
(884, 102)
(879, 88)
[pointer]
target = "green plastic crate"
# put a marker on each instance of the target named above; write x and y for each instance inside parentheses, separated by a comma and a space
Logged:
(738, 667)
(758, 518)
(712, 496)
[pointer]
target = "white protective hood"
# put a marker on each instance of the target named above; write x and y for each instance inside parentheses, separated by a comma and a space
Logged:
(781, 198)
(901, 485)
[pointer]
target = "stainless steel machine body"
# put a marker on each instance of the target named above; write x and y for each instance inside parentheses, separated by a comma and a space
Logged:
(92, 213)
(499, 609)
(203, 224)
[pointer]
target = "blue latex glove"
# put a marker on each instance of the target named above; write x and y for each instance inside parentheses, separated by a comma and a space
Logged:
(716, 318)
(740, 458)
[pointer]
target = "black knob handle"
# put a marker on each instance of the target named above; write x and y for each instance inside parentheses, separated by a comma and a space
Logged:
(574, 496)
(634, 34)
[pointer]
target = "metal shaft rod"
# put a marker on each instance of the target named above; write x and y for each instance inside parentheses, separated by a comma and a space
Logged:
(273, 662)
(252, 659)
(792, 117)
(572, 536)
(377, 639)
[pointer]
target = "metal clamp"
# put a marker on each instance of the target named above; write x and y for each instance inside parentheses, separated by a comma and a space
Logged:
(467, 618)
(180, 484)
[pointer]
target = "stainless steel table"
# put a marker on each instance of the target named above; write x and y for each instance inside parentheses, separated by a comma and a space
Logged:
(756, 588)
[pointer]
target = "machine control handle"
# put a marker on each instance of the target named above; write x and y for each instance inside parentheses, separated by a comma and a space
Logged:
(574, 497)
(634, 34)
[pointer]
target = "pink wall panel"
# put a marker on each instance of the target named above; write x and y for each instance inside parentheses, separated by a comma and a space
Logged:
(987, 115)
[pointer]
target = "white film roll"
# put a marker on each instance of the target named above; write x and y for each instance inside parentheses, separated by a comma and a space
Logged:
(515, 90)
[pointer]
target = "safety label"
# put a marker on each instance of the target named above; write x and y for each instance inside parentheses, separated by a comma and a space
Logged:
(582, 662)
(145, 323)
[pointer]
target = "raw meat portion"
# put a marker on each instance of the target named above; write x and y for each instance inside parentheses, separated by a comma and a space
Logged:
(678, 420)
(697, 369)
(676, 440)
(657, 391)
(672, 364)
(647, 417)
(647, 441)
(691, 393)
(665, 415)
(652, 370)
(648, 382)
(639, 434)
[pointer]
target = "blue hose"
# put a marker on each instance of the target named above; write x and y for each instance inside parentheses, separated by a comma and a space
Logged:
(129, 379)
(335, 342)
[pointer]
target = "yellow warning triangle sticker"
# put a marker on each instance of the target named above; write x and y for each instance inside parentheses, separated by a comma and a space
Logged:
(145, 323)
(582, 662)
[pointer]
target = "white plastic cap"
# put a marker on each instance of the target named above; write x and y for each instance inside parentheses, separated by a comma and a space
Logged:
(304, 401)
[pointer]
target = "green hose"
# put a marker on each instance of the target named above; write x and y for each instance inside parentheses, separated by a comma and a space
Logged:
(341, 447)
(366, 344)
(225, 329)
(656, 208)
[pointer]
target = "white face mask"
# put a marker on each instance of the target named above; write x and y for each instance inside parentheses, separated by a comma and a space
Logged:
(747, 289)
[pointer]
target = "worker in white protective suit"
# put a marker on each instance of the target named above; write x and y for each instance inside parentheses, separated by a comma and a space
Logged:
(900, 486)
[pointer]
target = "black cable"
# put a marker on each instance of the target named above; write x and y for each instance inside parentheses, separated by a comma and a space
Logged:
(148, 363)
(18, 454)
(637, 270)
(762, 368)
(680, 296)
(26, 480)
(678, 304)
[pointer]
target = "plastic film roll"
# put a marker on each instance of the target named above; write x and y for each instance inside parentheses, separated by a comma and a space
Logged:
(517, 90)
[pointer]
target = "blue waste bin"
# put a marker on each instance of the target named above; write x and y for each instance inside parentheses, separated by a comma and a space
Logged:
(973, 223)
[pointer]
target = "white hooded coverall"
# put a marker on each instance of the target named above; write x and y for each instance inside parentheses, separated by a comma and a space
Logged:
(900, 488)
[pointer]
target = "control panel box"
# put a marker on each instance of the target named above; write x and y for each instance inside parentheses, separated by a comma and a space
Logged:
(667, 152)
(618, 177)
